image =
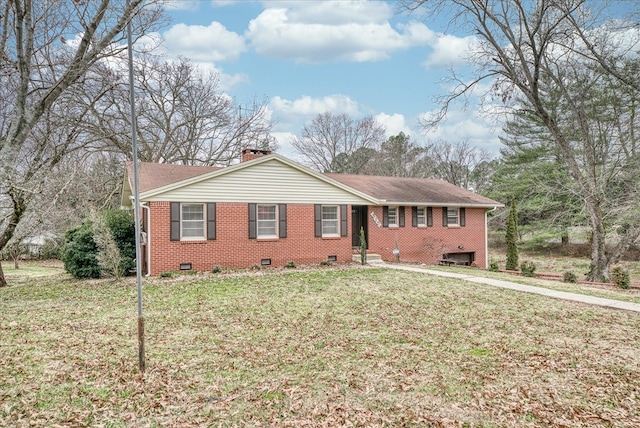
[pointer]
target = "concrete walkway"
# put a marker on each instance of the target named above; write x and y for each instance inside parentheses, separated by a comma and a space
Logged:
(591, 300)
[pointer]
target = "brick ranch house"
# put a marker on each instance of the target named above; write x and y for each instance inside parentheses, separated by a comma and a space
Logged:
(270, 210)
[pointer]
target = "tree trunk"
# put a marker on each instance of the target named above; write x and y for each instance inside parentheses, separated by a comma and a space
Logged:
(599, 264)
(3, 281)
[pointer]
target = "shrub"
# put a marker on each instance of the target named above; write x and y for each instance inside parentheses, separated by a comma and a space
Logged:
(620, 276)
(570, 277)
(325, 263)
(123, 230)
(528, 268)
(79, 253)
(290, 265)
(363, 247)
(216, 269)
(88, 244)
(108, 255)
(512, 238)
(493, 267)
(166, 274)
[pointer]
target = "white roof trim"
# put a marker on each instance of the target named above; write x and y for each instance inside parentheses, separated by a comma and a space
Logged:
(440, 204)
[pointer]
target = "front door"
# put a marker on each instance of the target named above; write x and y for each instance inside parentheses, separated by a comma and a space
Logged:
(358, 220)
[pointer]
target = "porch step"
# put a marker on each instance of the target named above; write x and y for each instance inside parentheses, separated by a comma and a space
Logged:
(371, 258)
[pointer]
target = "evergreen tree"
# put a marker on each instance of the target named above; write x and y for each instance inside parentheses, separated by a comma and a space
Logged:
(512, 238)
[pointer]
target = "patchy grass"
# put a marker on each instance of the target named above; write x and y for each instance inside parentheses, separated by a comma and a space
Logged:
(597, 290)
(32, 268)
(331, 347)
(553, 262)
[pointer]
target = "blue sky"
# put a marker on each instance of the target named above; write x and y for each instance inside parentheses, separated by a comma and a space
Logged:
(305, 57)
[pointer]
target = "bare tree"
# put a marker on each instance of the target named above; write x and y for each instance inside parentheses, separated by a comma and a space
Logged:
(565, 64)
(459, 163)
(46, 48)
(331, 143)
(183, 116)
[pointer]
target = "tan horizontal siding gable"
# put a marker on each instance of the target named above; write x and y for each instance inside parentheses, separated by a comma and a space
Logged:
(265, 180)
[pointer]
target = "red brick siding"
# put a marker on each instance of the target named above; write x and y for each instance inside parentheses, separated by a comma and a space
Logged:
(428, 244)
(233, 248)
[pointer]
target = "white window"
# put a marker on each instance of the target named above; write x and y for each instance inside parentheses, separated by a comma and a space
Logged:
(330, 220)
(267, 221)
(192, 221)
(422, 216)
(452, 216)
(393, 216)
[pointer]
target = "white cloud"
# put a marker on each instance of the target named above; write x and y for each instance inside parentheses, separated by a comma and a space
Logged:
(481, 130)
(181, 4)
(394, 124)
(309, 106)
(333, 12)
(285, 146)
(226, 81)
(331, 31)
(451, 50)
(199, 43)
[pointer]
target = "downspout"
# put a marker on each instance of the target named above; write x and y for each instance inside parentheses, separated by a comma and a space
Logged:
(486, 237)
(145, 206)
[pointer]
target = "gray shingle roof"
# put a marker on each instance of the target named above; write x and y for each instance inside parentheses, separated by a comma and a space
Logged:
(409, 191)
(154, 175)
(412, 190)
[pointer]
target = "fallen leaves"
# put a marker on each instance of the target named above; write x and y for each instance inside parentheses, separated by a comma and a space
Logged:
(366, 347)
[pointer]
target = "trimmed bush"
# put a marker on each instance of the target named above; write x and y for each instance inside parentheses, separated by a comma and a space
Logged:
(363, 247)
(620, 276)
(570, 277)
(79, 253)
(528, 268)
(493, 267)
(290, 265)
(512, 239)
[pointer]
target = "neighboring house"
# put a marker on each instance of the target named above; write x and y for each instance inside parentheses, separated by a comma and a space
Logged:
(270, 210)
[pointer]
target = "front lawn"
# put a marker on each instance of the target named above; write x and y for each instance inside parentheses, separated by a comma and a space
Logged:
(328, 347)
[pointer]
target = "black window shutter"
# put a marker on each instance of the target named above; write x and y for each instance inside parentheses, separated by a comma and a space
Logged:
(317, 220)
(253, 227)
(462, 217)
(343, 220)
(385, 216)
(211, 221)
(282, 220)
(401, 215)
(445, 220)
(430, 216)
(175, 221)
(414, 216)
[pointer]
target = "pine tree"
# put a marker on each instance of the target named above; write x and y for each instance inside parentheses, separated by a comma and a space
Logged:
(512, 238)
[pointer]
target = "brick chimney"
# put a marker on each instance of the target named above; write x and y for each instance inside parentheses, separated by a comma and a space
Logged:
(250, 154)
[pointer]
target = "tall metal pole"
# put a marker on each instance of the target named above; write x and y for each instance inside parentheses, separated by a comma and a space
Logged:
(136, 199)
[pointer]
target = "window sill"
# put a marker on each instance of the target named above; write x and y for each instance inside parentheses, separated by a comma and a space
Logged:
(454, 226)
(193, 241)
(330, 237)
(267, 239)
